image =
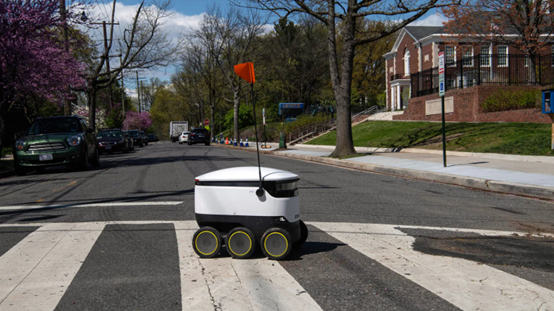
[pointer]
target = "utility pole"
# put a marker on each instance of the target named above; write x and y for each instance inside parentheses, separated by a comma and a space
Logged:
(138, 92)
(142, 96)
(122, 87)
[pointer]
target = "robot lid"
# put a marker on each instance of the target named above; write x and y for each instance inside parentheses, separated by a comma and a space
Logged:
(247, 173)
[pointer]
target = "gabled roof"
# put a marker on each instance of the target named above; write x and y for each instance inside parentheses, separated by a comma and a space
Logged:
(419, 32)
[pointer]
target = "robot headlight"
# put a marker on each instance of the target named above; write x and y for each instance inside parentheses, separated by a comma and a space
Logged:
(285, 186)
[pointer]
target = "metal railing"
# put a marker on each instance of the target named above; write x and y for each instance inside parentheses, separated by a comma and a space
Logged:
(311, 130)
(496, 69)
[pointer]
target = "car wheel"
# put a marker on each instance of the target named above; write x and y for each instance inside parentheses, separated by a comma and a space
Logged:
(83, 165)
(207, 143)
(96, 161)
(189, 143)
(19, 170)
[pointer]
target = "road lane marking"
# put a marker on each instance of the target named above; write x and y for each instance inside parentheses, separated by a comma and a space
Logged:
(466, 284)
(36, 272)
(32, 207)
(230, 284)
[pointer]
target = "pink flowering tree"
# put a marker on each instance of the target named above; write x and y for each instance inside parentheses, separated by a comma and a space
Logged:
(33, 60)
(135, 120)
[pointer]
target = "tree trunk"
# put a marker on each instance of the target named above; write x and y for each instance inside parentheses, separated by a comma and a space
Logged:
(3, 116)
(92, 109)
(342, 85)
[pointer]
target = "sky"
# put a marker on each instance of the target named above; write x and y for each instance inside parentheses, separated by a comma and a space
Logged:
(187, 15)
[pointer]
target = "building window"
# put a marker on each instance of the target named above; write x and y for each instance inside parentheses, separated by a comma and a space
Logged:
(467, 58)
(450, 83)
(407, 62)
(503, 56)
(526, 60)
(450, 55)
(485, 56)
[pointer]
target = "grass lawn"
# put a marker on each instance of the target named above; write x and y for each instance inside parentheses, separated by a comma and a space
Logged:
(507, 138)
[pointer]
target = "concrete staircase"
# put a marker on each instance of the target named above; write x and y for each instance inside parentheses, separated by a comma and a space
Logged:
(384, 116)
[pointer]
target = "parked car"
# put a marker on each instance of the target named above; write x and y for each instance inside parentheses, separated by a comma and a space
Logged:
(110, 140)
(56, 141)
(199, 136)
(152, 137)
(137, 137)
(184, 137)
(144, 137)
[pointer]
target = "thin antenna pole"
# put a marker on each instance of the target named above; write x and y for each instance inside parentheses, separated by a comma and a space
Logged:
(260, 191)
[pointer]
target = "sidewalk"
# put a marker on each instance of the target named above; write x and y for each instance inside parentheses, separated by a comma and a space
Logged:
(521, 175)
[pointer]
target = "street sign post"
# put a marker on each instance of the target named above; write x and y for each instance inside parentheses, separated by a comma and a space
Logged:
(442, 90)
(441, 74)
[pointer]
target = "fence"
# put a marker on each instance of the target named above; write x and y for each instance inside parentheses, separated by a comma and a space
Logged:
(496, 69)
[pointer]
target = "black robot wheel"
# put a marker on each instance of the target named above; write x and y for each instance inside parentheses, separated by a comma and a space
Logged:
(206, 242)
(276, 243)
(240, 243)
(303, 235)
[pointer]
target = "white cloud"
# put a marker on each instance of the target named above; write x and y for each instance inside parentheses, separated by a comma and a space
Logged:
(436, 19)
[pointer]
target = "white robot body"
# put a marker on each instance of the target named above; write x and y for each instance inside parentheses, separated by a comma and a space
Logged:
(226, 199)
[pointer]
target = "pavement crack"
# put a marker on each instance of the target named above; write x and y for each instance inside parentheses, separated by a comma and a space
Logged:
(240, 282)
(212, 299)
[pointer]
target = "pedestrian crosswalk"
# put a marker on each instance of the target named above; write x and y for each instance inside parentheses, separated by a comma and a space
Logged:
(45, 265)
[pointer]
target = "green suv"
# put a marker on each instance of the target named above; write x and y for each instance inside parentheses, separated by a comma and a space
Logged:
(56, 141)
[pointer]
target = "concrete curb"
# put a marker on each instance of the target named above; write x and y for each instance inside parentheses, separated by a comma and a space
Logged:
(494, 156)
(469, 182)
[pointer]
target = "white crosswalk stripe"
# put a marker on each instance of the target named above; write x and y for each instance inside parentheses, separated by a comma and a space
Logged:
(257, 284)
(36, 272)
(466, 284)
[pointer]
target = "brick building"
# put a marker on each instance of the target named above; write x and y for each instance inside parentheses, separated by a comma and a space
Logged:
(472, 73)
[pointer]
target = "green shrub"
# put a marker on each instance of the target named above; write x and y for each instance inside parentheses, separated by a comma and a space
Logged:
(511, 99)
(6, 151)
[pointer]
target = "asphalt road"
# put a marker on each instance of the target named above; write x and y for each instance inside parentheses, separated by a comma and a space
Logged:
(141, 198)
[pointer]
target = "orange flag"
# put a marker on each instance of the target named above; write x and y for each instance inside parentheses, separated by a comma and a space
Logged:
(246, 71)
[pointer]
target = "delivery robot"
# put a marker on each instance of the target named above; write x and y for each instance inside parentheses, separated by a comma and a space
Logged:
(243, 206)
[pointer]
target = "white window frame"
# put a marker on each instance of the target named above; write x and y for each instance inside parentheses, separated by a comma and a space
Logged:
(507, 56)
(486, 57)
(453, 63)
(468, 58)
(407, 62)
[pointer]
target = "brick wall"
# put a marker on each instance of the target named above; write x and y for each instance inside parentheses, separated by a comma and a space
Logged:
(467, 109)
(406, 43)
(427, 50)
